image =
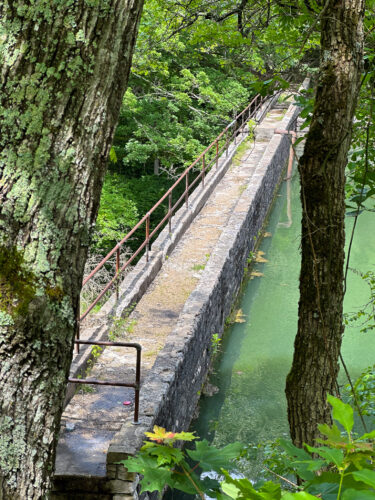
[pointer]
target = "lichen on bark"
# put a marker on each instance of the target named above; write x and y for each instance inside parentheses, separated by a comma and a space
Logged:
(64, 66)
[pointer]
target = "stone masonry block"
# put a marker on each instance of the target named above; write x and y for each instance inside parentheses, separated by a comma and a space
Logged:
(124, 475)
(112, 471)
(118, 486)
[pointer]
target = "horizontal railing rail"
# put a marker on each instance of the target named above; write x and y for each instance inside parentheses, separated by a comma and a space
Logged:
(135, 385)
(217, 147)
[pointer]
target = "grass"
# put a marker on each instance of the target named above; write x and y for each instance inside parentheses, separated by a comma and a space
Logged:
(122, 325)
(241, 150)
(198, 267)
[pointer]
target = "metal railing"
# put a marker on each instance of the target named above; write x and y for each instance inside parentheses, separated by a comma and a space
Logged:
(204, 163)
(135, 385)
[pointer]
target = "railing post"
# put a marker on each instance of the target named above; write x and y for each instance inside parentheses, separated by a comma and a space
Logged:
(217, 154)
(138, 383)
(203, 169)
(147, 236)
(169, 212)
(226, 142)
(187, 189)
(235, 133)
(78, 323)
(117, 271)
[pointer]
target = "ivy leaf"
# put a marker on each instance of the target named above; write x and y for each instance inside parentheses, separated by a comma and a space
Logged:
(342, 412)
(366, 476)
(211, 458)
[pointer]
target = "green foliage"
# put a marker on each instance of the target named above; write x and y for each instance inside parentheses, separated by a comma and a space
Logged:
(117, 214)
(122, 204)
(122, 325)
(162, 464)
(364, 388)
(194, 67)
(366, 314)
(305, 100)
(198, 267)
(341, 470)
(361, 175)
(215, 343)
(96, 351)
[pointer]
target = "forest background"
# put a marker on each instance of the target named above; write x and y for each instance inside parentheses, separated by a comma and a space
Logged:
(193, 69)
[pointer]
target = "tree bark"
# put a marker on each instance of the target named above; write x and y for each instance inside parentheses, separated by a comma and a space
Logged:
(64, 68)
(322, 171)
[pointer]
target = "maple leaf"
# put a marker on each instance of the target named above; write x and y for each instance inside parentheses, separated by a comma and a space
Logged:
(160, 435)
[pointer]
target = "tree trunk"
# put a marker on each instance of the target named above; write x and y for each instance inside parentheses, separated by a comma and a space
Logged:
(156, 166)
(322, 171)
(64, 68)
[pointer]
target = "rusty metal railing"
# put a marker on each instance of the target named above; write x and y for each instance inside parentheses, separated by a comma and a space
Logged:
(135, 385)
(215, 149)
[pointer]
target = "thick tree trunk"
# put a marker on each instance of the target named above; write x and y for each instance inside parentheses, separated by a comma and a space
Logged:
(64, 68)
(322, 170)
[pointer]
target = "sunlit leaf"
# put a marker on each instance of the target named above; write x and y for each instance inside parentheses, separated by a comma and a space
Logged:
(159, 434)
(300, 495)
(342, 412)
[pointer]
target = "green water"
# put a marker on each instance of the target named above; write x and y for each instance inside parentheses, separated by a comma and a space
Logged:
(250, 406)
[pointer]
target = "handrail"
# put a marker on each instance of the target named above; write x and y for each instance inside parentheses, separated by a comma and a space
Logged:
(250, 111)
(135, 385)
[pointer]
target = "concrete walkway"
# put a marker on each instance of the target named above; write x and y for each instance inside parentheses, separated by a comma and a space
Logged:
(92, 418)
